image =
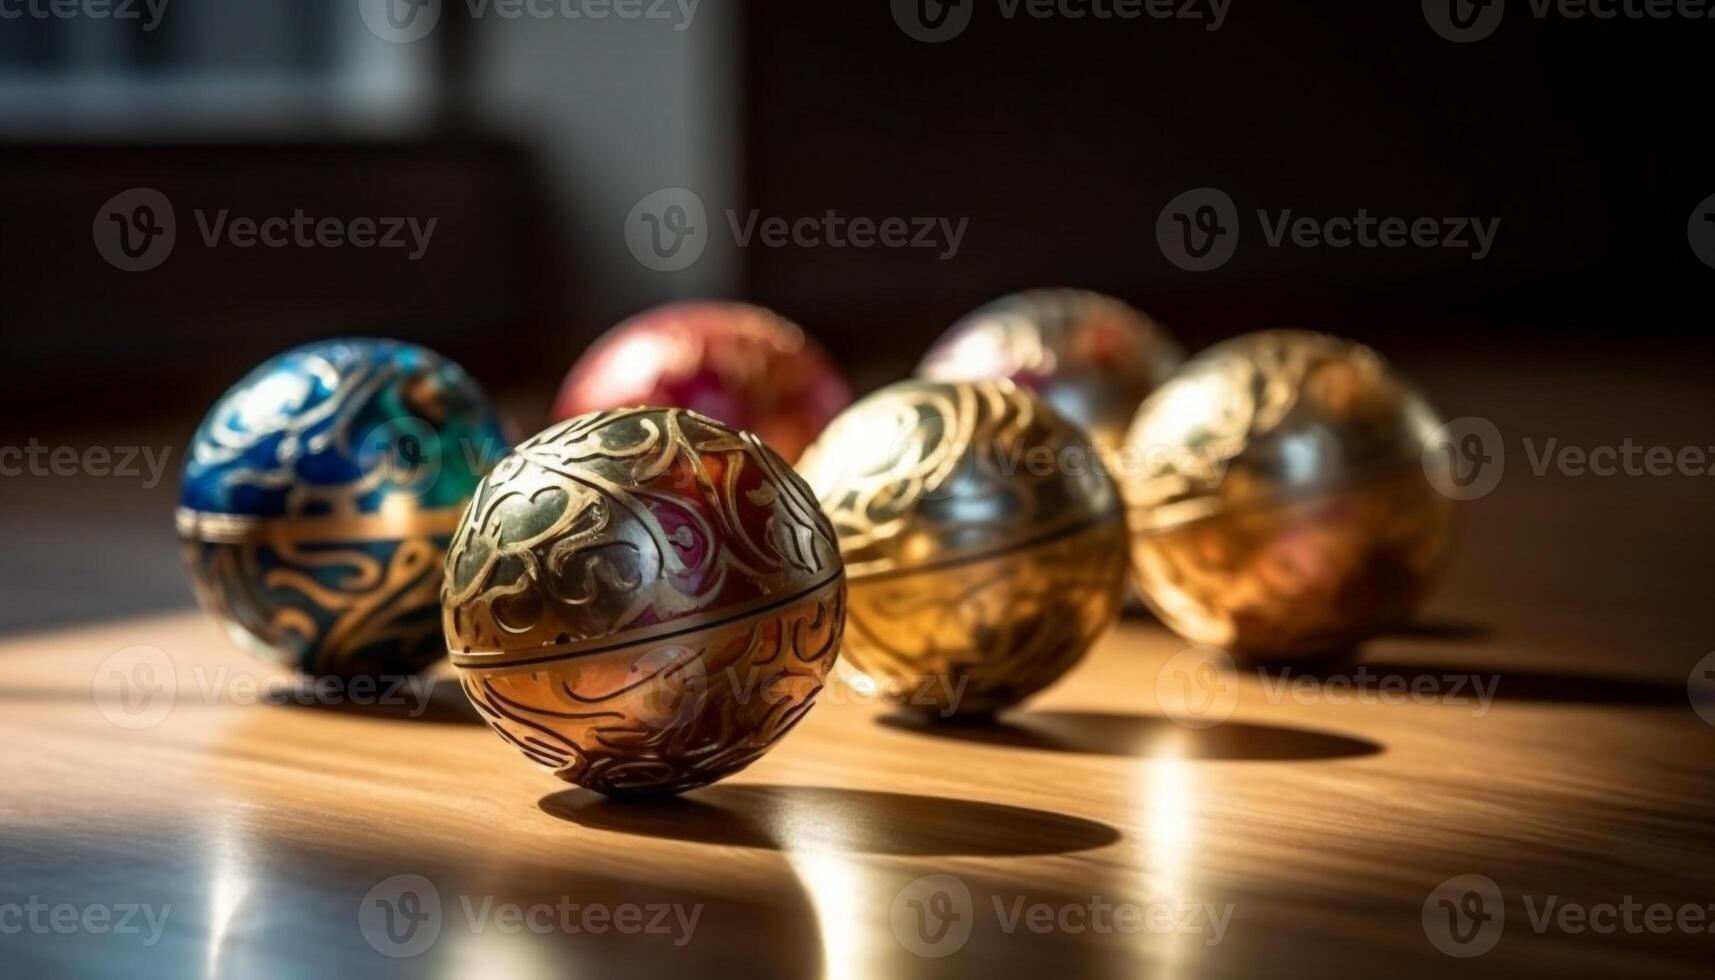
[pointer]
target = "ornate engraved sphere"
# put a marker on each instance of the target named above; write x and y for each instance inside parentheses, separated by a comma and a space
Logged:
(1279, 501)
(643, 600)
(984, 541)
(319, 494)
(1092, 357)
(740, 364)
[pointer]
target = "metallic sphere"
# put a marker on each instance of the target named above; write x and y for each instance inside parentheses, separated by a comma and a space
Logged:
(984, 541)
(643, 600)
(1279, 505)
(319, 494)
(739, 364)
(1092, 357)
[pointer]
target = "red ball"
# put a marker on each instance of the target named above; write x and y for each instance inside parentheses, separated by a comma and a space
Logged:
(743, 365)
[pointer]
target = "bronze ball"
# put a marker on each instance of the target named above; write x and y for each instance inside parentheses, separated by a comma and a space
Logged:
(1093, 357)
(1278, 498)
(643, 600)
(984, 541)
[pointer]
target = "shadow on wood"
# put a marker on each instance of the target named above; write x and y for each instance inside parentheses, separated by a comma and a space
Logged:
(860, 821)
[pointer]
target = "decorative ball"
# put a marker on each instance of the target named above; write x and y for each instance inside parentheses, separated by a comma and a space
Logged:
(1279, 502)
(1092, 357)
(984, 541)
(643, 600)
(319, 494)
(737, 363)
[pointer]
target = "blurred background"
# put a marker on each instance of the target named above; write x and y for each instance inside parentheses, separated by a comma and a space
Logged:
(530, 133)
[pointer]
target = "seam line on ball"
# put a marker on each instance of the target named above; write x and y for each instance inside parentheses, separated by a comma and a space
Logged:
(666, 631)
(1368, 477)
(973, 558)
(215, 528)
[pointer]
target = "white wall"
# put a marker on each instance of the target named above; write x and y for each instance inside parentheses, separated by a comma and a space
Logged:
(618, 109)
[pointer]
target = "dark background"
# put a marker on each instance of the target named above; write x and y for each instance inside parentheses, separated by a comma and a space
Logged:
(1059, 140)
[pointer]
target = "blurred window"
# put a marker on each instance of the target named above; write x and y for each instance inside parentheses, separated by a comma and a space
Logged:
(167, 66)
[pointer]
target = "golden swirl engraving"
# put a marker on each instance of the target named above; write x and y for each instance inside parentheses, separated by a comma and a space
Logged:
(1279, 506)
(1092, 357)
(923, 472)
(983, 539)
(623, 560)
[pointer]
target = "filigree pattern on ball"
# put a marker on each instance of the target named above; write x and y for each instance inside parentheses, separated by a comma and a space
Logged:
(670, 716)
(743, 365)
(982, 536)
(1278, 501)
(983, 635)
(643, 600)
(318, 496)
(1092, 357)
(926, 472)
(1263, 414)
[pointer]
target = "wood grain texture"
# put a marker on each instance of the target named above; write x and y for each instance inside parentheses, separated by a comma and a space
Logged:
(1323, 826)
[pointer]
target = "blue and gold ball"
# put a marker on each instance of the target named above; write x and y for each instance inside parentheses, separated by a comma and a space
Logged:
(319, 497)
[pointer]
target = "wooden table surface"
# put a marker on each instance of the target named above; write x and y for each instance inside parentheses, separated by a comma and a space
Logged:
(1304, 835)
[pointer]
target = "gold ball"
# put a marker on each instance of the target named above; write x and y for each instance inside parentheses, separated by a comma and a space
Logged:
(1093, 357)
(984, 541)
(643, 600)
(1278, 499)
